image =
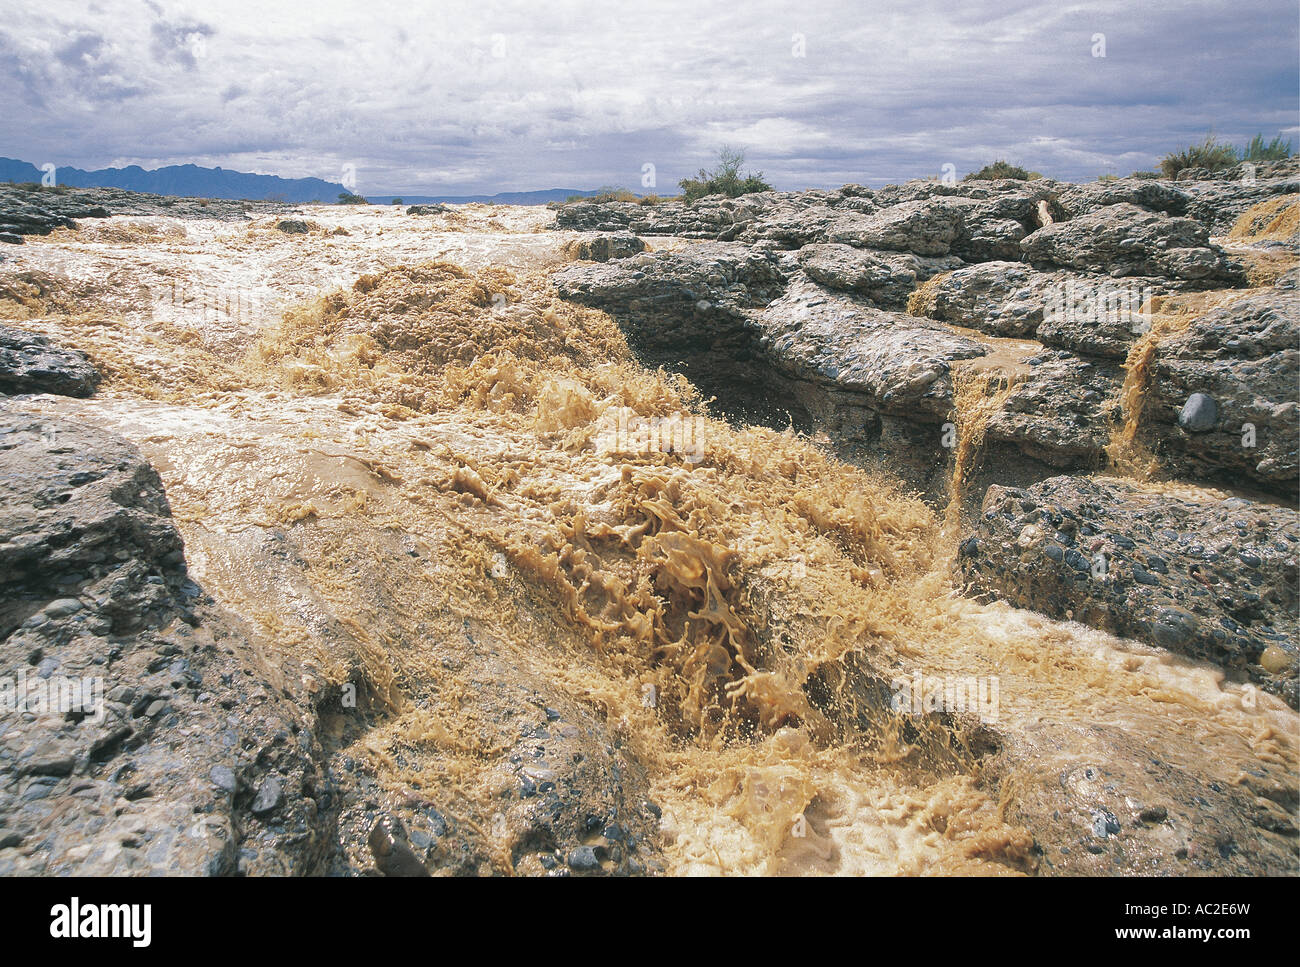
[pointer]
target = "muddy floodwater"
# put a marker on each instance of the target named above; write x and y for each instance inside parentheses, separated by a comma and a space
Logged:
(408, 467)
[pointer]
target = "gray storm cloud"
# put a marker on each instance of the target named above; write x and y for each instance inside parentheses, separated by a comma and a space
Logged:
(491, 96)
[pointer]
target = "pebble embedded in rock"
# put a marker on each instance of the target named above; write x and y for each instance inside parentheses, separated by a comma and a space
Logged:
(583, 859)
(1199, 414)
(269, 796)
(223, 777)
(62, 607)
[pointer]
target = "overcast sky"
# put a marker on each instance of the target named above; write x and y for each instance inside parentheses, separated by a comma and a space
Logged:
(489, 95)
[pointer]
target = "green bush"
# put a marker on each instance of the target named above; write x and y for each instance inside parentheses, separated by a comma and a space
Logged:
(1211, 154)
(37, 186)
(398, 201)
(605, 193)
(1002, 169)
(347, 198)
(1215, 155)
(725, 179)
(1257, 150)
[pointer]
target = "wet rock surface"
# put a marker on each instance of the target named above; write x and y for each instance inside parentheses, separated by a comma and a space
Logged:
(349, 719)
(196, 755)
(1108, 806)
(1212, 579)
(1223, 400)
(1062, 412)
(35, 210)
(144, 730)
(1077, 275)
(30, 363)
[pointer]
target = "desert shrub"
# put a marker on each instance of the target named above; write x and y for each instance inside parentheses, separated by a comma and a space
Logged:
(725, 179)
(1257, 150)
(347, 198)
(1211, 154)
(398, 201)
(37, 186)
(605, 193)
(1002, 169)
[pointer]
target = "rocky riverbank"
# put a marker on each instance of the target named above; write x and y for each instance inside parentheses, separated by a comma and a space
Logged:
(388, 556)
(998, 333)
(37, 210)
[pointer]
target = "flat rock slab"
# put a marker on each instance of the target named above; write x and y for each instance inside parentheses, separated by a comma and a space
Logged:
(1127, 240)
(1213, 579)
(34, 210)
(896, 362)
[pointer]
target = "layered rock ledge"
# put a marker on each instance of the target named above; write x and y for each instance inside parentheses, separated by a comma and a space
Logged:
(1064, 328)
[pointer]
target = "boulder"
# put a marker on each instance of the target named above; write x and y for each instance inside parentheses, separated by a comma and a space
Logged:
(603, 246)
(1224, 403)
(30, 363)
(886, 278)
(1125, 240)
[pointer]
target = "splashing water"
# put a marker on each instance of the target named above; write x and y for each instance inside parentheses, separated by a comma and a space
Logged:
(432, 437)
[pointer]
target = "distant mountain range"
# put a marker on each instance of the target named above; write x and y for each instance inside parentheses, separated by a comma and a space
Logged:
(192, 181)
(187, 181)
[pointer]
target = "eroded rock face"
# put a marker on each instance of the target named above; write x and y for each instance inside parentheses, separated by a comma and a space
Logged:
(1084, 287)
(1218, 199)
(689, 309)
(1126, 240)
(26, 210)
(180, 754)
(1076, 274)
(30, 363)
(1243, 356)
(1213, 579)
(1063, 412)
(205, 749)
(603, 246)
(923, 227)
(1157, 196)
(1000, 298)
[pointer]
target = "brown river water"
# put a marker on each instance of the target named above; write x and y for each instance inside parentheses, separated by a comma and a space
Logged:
(391, 381)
